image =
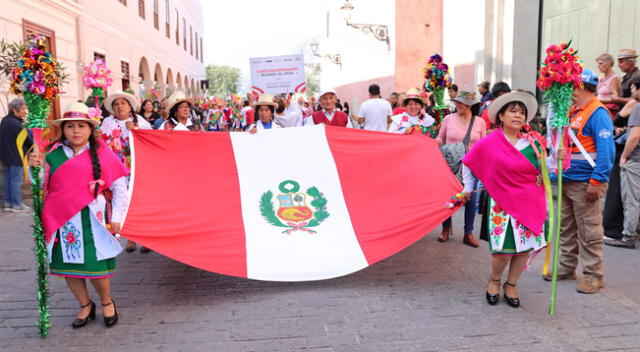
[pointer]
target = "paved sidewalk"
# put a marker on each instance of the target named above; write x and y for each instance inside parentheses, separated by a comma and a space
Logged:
(429, 297)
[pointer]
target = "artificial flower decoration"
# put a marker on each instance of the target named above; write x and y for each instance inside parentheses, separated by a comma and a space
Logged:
(97, 75)
(437, 78)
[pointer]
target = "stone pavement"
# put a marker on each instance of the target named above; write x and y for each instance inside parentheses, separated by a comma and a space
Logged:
(429, 297)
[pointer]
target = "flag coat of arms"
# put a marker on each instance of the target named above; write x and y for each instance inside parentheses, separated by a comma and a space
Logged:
(291, 204)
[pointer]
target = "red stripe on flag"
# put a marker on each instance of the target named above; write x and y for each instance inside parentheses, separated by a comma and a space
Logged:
(257, 89)
(298, 87)
(390, 177)
(197, 173)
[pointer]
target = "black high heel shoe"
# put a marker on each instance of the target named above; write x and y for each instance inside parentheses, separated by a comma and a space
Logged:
(78, 323)
(512, 302)
(112, 320)
(492, 298)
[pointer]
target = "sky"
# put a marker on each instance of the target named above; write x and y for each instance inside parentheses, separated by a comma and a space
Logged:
(236, 30)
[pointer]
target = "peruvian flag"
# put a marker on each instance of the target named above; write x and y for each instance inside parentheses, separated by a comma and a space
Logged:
(290, 204)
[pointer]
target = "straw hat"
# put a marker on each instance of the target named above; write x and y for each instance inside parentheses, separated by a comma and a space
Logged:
(133, 101)
(266, 99)
(525, 98)
(627, 54)
(77, 112)
(415, 94)
(175, 98)
(466, 98)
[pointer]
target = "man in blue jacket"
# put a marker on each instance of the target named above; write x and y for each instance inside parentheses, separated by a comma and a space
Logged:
(10, 127)
(584, 184)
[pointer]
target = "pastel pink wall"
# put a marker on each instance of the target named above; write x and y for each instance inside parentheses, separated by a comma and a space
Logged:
(356, 93)
(463, 76)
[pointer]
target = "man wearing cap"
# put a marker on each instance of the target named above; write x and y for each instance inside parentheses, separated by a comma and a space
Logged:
(582, 233)
(328, 115)
(613, 209)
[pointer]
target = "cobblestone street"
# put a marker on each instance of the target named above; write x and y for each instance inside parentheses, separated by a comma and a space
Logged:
(429, 297)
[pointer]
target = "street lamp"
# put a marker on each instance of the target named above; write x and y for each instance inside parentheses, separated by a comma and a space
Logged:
(379, 31)
(335, 58)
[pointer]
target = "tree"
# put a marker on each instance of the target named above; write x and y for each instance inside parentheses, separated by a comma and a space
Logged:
(312, 76)
(223, 80)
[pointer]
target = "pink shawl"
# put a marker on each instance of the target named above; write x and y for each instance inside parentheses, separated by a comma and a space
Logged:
(510, 179)
(68, 190)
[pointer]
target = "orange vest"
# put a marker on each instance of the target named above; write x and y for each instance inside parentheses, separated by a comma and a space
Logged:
(578, 119)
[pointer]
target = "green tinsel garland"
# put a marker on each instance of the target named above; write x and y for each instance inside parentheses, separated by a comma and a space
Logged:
(438, 95)
(38, 112)
(559, 95)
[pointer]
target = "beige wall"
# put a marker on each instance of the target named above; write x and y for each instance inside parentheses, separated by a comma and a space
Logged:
(108, 27)
(595, 26)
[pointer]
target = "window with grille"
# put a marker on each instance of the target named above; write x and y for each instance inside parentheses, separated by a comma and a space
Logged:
(201, 52)
(184, 32)
(141, 8)
(99, 56)
(123, 2)
(177, 28)
(156, 17)
(124, 67)
(191, 40)
(168, 19)
(196, 45)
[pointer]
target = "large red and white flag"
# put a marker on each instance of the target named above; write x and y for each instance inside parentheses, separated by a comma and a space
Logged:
(289, 204)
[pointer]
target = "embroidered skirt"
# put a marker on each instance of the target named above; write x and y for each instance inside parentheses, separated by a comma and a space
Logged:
(91, 268)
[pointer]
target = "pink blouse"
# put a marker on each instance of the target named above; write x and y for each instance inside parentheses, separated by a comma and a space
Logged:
(453, 131)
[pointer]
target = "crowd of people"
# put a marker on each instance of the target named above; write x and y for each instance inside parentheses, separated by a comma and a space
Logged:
(491, 140)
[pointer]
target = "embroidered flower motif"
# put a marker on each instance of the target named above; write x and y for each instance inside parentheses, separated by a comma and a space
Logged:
(100, 216)
(536, 234)
(70, 237)
(497, 220)
(497, 209)
(528, 234)
(497, 231)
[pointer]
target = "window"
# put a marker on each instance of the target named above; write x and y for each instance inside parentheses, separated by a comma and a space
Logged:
(184, 32)
(123, 2)
(124, 67)
(201, 55)
(167, 13)
(177, 28)
(99, 56)
(196, 45)
(191, 40)
(156, 19)
(141, 8)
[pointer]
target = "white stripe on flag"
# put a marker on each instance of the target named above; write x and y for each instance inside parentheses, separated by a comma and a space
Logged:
(266, 159)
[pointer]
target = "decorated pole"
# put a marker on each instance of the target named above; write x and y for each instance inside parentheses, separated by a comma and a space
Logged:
(437, 79)
(559, 75)
(97, 78)
(39, 78)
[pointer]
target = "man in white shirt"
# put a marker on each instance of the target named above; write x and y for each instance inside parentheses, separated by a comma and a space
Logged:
(375, 113)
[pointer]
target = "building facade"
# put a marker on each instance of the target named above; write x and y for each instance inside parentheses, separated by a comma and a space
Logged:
(386, 42)
(145, 43)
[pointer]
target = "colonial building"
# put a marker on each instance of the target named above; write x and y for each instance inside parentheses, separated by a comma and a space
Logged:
(152, 43)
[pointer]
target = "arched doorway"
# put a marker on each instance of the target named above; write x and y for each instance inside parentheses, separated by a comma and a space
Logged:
(144, 74)
(170, 82)
(159, 80)
(179, 80)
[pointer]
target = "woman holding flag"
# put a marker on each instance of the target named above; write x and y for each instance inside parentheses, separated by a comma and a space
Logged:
(265, 107)
(413, 117)
(79, 168)
(508, 162)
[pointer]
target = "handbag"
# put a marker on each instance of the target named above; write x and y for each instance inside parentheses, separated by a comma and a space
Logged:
(453, 153)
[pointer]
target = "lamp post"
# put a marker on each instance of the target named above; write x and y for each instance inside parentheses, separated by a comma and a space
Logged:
(379, 31)
(335, 58)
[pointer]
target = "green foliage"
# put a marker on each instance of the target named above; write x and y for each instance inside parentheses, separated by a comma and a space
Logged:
(266, 209)
(223, 80)
(9, 55)
(312, 78)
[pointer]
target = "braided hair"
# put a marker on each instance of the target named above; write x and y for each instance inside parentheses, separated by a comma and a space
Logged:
(93, 152)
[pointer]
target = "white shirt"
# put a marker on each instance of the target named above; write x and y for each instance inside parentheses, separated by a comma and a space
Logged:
(309, 120)
(110, 123)
(375, 113)
(243, 112)
(259, 126)
(179, 125)
(399, 123)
